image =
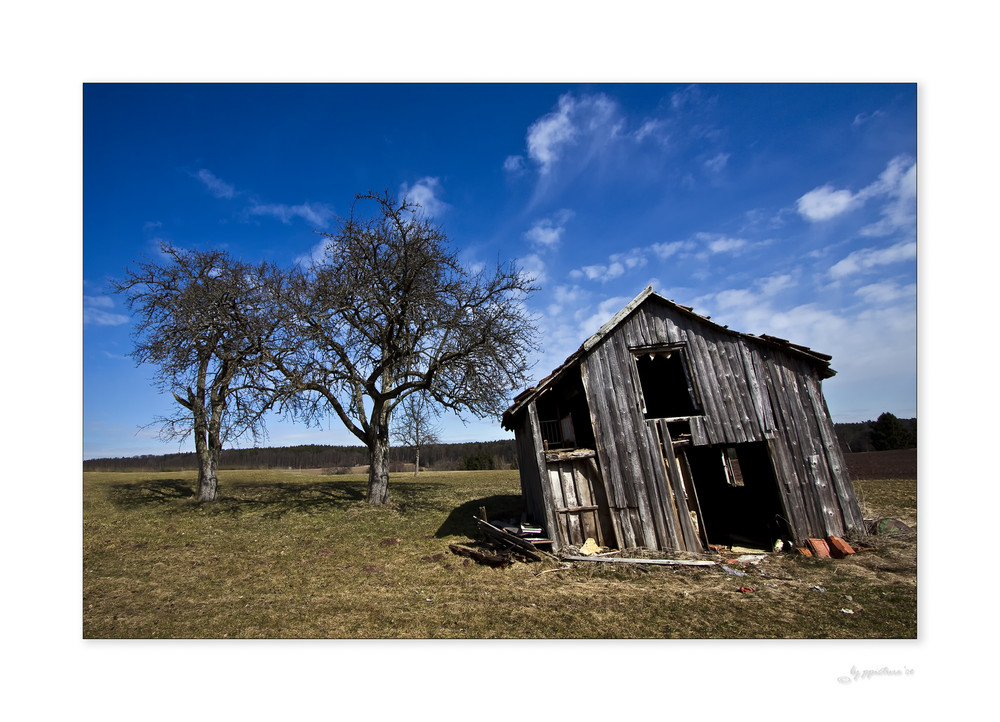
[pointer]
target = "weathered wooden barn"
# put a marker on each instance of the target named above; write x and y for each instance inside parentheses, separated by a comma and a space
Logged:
(668, 431)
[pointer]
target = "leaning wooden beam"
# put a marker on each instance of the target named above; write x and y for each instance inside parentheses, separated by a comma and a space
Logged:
(522, 546)
(658, 562)
(493, 560)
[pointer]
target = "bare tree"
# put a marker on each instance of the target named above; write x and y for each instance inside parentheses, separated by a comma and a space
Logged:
(203, 319)
(389, 312)
(413, 425)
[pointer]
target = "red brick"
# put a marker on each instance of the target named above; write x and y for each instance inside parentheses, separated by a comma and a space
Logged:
(839, 548)
(819, 547)
(804, 551)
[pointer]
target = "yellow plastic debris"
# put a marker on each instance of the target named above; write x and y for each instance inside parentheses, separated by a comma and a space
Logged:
(589, 548)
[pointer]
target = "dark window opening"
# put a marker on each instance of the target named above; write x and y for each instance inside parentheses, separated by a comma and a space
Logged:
(667, 390)
(564, 415)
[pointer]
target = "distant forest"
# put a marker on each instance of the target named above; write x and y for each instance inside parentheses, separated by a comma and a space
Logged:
(333, 459)
(853, 437)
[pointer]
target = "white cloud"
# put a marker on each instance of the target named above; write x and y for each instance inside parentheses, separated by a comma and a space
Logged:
(862, 118)
(717, 163)
(666, 250)
(776, 283)
(426, 192)
(898, 182)
(94, 311)
(218, 187)
(590, 121)
(825, 202)
(725, 245)
(547, 232)
(533, 267)
(318, 214)
(617, 265)
(869, 258)
(563, 296)
(886, 292)
(513, 163)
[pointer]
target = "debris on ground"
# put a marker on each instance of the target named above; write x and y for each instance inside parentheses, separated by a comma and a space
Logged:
(839, 548)
(589, 548)
(735, 573)
(887, 527)
(819, 547)
(747, 590)
(655, 562)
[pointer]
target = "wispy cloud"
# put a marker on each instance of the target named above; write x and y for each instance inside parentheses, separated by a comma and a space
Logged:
(867, 259)
(547, 232)
(426, 192)
(514, 164)
(885, 292)
(862, 118)
(533, 268)
(96, 310)
(618, 264)
(318, 214)
(897, 183)
(825, 202)
(218, 187)
(717, 163)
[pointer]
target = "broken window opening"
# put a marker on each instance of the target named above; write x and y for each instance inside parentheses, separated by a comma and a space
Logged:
(665, 381)
(564, 415)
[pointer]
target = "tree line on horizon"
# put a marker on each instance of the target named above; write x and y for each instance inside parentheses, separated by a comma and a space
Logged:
(473, 455)
(885, 433)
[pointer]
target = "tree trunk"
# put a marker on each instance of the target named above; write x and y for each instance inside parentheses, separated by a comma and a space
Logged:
(416, 463)
(378, 470)
(208, 469)
(208, 475)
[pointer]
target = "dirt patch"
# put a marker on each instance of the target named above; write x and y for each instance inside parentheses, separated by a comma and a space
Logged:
(895, 464)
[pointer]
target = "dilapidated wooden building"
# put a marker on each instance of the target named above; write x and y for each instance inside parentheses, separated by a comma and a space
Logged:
(668, 431)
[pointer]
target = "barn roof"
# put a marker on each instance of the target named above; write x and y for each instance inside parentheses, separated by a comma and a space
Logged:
(821, 360)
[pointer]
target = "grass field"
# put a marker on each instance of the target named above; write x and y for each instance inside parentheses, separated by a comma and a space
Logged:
(293, 555)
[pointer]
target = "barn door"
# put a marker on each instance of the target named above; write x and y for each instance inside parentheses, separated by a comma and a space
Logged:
(581, 505)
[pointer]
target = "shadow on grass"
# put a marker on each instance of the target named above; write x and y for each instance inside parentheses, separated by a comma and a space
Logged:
(460, 521)
(274, 499)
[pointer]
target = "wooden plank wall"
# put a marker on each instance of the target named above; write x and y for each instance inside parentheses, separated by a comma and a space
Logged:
(748, 392)
(817, 493)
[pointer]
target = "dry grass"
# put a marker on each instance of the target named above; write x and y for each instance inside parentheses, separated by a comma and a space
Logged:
(287, 555)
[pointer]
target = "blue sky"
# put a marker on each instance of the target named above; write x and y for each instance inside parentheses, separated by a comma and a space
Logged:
(774, 208)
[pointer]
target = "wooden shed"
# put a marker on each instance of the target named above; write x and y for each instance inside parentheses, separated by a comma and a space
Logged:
(668, 431)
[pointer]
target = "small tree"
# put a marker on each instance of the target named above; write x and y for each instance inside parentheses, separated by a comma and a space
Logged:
(413, 425)
(390, 312)
(888, 432)
(203, 319)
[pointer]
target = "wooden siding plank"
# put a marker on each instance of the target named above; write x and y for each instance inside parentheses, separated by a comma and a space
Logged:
(784, 457)
(849, 506)
(742, 386)
(638, 470)
(569, 492)
(548, 506)
(607, 527)
(762, 405)
(833, 517)
(690, 537)
(667, 525)
(595, 386)
(785, 401)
